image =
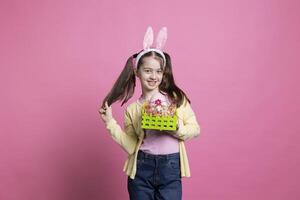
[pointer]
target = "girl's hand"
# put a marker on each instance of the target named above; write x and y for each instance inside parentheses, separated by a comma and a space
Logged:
(106, 113)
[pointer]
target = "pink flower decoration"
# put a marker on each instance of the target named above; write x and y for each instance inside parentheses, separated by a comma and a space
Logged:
(157, 102)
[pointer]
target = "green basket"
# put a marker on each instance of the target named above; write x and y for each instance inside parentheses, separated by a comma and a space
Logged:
(158, 122)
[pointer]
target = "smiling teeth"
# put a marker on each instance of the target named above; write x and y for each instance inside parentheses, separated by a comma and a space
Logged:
(152, 83)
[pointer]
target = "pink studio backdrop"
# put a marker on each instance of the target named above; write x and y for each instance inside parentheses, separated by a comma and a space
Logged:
(238, 61)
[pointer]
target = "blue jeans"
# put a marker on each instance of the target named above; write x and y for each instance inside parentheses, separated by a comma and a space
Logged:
(158, 177)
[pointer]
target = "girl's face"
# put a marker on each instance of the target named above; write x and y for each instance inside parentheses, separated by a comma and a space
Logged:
(150, 74)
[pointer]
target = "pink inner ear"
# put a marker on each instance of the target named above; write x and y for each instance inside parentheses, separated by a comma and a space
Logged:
(148, 38)
(161, 38)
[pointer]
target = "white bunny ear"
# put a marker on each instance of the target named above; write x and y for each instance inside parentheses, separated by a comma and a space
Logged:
(148, 38)
(161, 38)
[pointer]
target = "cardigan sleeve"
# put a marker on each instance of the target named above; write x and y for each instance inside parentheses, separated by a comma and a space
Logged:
(188, 126)
(126, 138)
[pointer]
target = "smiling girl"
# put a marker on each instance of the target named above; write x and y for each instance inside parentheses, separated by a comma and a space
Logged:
(157, 160)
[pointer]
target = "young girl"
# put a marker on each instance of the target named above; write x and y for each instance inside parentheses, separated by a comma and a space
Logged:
(156, 159)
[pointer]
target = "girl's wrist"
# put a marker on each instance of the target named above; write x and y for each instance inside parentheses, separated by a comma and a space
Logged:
(108, 120)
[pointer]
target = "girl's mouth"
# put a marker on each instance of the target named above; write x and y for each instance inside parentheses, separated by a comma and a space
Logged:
(151, 83)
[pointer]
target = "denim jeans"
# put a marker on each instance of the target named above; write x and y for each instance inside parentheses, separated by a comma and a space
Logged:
(158, 177)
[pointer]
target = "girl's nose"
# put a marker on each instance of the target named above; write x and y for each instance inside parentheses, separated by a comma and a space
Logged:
(153, 75)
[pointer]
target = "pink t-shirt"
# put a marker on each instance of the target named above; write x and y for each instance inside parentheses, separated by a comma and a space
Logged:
(158, 142)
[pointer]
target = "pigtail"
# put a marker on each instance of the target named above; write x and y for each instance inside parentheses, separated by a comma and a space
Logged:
(168, 84)
(124, 86)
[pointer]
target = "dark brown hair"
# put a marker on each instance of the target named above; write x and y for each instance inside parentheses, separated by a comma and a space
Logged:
(124, 86)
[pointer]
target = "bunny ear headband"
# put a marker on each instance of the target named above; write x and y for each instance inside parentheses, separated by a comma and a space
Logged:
(148, 41)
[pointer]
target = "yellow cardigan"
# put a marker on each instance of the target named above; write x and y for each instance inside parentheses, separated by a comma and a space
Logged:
(130, 139)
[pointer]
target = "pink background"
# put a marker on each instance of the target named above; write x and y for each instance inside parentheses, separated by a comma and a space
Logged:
(238, 61)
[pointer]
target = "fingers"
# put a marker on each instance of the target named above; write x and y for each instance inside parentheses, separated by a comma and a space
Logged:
(103, 110)
(106, 104)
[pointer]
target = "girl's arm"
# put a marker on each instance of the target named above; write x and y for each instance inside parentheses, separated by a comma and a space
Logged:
(126, 138)
(188, 126)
